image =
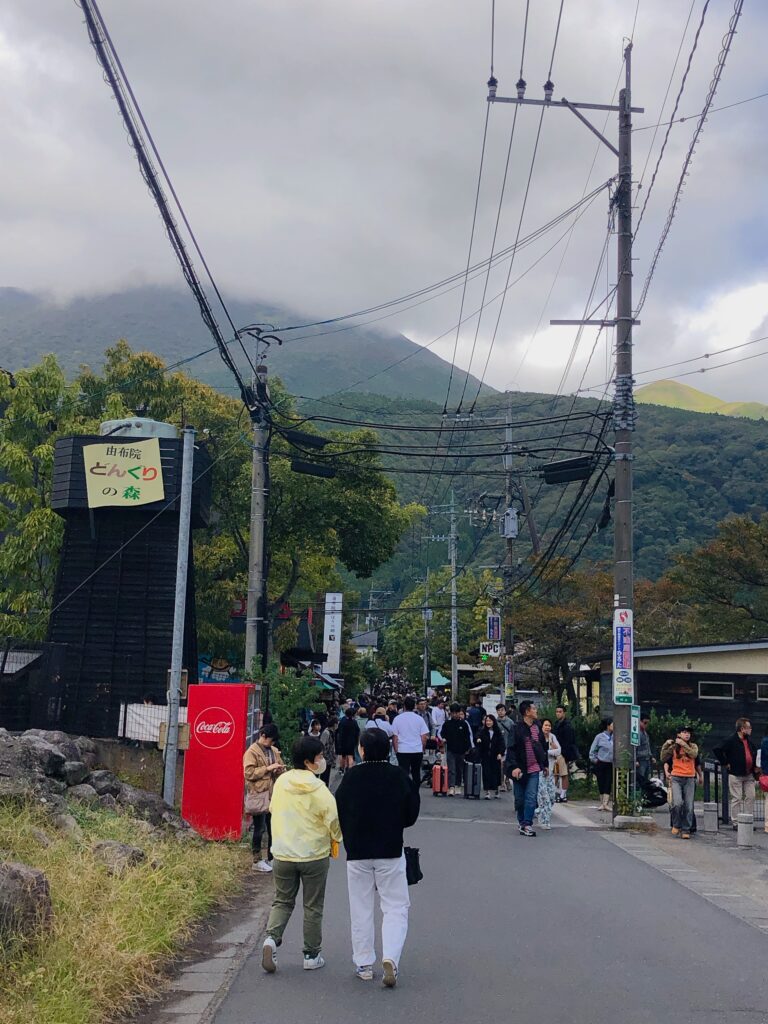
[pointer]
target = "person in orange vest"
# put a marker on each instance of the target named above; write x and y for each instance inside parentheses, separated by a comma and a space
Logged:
(680, 767)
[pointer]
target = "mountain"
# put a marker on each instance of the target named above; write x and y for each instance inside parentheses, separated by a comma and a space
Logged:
(675, 395)
(165, 320)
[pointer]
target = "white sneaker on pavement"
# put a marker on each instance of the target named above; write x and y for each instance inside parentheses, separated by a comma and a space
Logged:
(269, 955)
(364, 973)
(263, 866)
(390, 973)
(313, 963)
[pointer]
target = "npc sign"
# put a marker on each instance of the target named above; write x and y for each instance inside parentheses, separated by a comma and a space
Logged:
(623, 657)
(123, 473)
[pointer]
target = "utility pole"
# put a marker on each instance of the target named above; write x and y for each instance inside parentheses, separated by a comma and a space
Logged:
(256, 614)
(426, 616)
(454, 619)
(179, 610)
(623, 402)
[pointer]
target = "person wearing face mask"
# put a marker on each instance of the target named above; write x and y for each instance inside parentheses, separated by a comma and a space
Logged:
(305, 833)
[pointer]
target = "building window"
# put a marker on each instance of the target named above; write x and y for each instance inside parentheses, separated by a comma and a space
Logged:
(762, 691)
(715, 691)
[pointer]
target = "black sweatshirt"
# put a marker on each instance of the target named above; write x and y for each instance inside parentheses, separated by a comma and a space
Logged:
(376, 801)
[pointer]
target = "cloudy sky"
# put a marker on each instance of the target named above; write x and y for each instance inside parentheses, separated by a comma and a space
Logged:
(327, 154)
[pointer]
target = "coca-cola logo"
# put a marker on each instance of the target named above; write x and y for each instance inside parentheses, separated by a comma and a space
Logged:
(214, 728)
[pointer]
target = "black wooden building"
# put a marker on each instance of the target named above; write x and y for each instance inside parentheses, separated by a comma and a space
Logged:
(114, 598)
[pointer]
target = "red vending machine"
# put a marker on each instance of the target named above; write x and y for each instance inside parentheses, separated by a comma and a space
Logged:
(221, 720)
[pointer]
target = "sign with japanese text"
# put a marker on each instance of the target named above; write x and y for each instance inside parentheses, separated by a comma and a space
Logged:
(124, 473)
(494, 626)
(509, 679)
(634, 725)
(623, 657)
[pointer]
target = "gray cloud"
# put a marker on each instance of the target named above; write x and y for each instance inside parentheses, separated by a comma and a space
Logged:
(327, 154)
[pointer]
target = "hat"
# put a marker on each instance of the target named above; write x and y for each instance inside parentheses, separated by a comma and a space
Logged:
(380, 711)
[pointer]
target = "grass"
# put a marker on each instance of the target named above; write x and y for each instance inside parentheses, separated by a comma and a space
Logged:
(111, 935)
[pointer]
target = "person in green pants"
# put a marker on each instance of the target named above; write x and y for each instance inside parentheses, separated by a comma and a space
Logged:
(305, 833)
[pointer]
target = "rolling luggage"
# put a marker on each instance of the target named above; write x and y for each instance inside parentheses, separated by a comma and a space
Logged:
(440, 780)
(473, 775)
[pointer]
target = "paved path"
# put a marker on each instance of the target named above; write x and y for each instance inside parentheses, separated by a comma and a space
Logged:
(568, 925)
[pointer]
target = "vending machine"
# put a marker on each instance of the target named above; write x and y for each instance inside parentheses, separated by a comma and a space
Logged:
(222, 723)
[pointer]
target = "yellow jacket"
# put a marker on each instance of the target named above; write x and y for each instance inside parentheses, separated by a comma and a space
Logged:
(304, 817)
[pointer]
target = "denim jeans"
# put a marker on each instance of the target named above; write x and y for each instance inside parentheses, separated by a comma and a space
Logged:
(526, 796)
(683, 789)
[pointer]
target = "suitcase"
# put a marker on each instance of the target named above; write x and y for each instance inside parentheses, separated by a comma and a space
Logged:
(440, 780)
(473, 774)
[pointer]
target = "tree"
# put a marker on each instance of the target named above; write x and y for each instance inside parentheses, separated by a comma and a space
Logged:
(289, 695)
(568, 620)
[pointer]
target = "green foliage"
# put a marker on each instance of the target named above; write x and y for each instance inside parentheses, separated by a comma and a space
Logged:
(662, 727)
(289, 695)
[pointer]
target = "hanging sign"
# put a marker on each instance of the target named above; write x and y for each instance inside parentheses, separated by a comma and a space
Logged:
(494, 626)
(634, 725)
(332, 633)
(623, 657)
(509, 679)
(490, 649)
(123, 473)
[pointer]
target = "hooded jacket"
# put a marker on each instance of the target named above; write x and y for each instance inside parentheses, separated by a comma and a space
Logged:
(304, 817)
(256, 765)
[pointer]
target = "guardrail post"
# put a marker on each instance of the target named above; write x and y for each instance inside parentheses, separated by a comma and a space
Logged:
(725, 816)
(710, 823)
(745, 834)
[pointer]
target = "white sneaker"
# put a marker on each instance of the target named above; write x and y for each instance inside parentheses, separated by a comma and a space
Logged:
(546, 828)
(364, 973)
(269, 956)
(313, 963)
(264, 866)
(390, 973)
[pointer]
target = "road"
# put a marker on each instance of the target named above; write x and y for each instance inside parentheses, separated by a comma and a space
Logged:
(566, 926)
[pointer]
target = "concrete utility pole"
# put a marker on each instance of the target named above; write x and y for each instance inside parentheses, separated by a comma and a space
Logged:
(256, 613)
(509, 563)
(426, 678)
(623, 402)
(179, 611)
(454, 618)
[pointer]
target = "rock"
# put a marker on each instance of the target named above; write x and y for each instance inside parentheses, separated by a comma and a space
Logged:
(85, 794)
(118, 856)
(145, 805)
(104, 781)
(25, 900)
(85, 745)
(108, 802)
(40, 837)
(75, 772)
(67, 824)
(90, 760)
(42, 755)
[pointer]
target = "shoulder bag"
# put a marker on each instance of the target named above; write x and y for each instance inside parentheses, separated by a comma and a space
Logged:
(413, 872)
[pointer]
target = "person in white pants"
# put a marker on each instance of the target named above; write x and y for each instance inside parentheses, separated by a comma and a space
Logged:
(376, 801)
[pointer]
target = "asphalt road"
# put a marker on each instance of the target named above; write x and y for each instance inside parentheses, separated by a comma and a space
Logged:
(562, 927)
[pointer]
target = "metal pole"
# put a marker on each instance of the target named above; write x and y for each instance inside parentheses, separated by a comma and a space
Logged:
(255, 623)
(179, 608)
(509, 558)
(425, 672)
(624, 408)
(454, 620)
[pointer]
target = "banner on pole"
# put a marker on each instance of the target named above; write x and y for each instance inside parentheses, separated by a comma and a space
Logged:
(494, 626)
(623, 657)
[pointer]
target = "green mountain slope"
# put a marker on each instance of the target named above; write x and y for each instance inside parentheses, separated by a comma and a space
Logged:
(166, 321)
(675, 395)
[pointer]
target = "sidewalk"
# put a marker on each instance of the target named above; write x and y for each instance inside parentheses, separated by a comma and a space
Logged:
(710, 864)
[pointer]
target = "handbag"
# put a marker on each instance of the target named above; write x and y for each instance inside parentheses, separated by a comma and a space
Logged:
(257, 803)
(413, 872)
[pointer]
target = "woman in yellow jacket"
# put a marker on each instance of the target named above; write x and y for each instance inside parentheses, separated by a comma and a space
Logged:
(305, 824)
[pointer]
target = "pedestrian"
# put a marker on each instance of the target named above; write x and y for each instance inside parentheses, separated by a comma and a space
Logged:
(422, 709)
(680, 769)
(328, 739)
(439, 715)
(392, 711)
(362, 723)
(376, 802)
(475, 715)
(601, 756)
(492, 748)
(764, 767)
(409, 736)
(526, 759)
(507, 726)
(457, 739)
(305, 823)
(546, 795)
(262, 763)
(315, 728)
(348, 736)
(739, 755)
(566, 737)
(644, 756)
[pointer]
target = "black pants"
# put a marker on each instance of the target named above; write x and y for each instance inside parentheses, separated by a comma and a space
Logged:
(411, 765)
(261, 822)
(326, 776)
(604, 775)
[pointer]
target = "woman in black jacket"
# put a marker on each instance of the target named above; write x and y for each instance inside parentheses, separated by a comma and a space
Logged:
(491, 745)
(347, 736)
(376, 800)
